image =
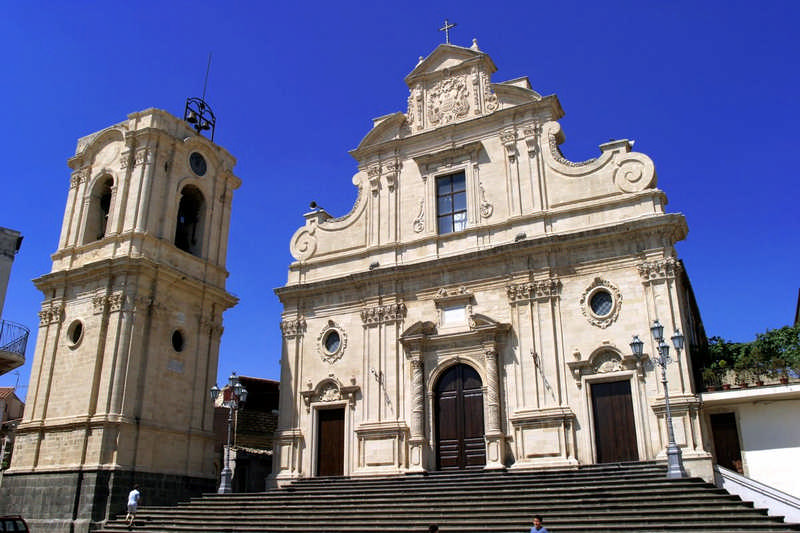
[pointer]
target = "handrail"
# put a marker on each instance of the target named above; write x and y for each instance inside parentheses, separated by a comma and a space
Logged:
(13, 337)
(776, 502)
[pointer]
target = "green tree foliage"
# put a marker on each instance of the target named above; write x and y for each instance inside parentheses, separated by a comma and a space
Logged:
(775, 353)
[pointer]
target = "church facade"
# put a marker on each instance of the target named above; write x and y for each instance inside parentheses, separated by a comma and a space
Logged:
(129, 328)
(475, 307)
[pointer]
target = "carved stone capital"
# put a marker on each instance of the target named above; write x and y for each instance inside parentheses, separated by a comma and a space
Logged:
(509, 140)
(293, 327)
(51, 314)
(212, 325)
(141, 156)
(391, 171)
(383, 314)
(374, 176)
(78, 177)
(667, 268)
(535, 290)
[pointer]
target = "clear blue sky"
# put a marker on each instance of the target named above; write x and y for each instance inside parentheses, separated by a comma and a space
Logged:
(707, 89)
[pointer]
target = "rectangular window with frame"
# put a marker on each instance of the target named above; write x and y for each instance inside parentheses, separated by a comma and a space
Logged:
(451, 203)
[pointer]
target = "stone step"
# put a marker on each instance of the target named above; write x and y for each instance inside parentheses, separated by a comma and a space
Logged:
(624, 498)
(599, 506)
(587, 484)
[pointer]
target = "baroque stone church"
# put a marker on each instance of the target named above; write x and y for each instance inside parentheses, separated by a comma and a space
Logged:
(476, 306)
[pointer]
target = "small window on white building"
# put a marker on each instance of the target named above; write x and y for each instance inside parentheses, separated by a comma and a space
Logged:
(451, 203)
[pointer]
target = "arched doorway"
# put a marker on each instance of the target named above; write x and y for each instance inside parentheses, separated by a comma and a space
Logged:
(460, 442)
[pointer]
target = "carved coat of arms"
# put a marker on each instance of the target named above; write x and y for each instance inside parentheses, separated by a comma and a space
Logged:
(447, 100)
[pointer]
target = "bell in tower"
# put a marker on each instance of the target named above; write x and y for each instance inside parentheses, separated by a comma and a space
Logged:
(129, 328)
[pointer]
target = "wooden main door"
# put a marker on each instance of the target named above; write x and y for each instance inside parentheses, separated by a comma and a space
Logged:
(460, 442)
(330, 442)
(614, 427)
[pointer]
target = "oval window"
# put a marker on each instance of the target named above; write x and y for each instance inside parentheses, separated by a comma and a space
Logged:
(602, 303)
(198, 163)
(177, 341)
(75, 332)
(332, 341)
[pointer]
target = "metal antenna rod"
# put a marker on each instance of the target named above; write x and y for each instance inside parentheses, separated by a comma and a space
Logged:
(205, 83)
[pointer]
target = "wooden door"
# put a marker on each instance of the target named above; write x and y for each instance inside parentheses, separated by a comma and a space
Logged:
(726, 441)
(460, 442)
(330, 442)
(614, 427)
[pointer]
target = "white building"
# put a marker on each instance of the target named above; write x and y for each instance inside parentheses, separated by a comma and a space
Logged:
(475, 307)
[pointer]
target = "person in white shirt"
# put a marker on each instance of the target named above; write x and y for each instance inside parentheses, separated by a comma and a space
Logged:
(133, 503)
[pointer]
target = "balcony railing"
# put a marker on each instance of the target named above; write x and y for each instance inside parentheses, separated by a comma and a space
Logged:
(13, 337)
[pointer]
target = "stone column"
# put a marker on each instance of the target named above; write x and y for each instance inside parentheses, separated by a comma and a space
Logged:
(417, 441)
(494, 435)
(492, 392)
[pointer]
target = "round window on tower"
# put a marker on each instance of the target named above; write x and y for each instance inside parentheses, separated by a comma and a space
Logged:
(198, 163)
(177, 341)
(75, 333)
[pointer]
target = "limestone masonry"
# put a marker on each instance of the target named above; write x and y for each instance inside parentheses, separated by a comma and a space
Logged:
(129, 328)
(475, 307)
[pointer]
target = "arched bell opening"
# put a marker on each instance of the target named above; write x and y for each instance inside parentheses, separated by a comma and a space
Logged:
(99, 210)
(191, 219)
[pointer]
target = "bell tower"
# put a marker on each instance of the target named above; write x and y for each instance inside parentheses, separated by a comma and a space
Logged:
(129, 329)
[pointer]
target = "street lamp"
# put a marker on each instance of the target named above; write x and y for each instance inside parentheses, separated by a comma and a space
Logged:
(674, 457)
(238, 395)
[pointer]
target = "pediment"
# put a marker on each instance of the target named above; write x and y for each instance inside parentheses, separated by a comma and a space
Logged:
(451, 85)
(385, 129)
(448, 58)
(478, 321)
(419, 328)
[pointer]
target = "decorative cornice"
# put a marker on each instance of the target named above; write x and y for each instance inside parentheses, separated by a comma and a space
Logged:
(330, 390)
(667, 268)
(293, 327)
(383, 314)
(605, 361)
(536, 290)
(452, 296)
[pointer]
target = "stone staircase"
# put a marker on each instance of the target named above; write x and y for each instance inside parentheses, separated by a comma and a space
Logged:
(631, 497)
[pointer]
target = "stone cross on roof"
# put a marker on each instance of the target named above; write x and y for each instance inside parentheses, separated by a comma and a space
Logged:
(446, 29)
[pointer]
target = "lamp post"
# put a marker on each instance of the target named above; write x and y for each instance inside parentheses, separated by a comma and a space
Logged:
(238, 395)
(674, 457)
